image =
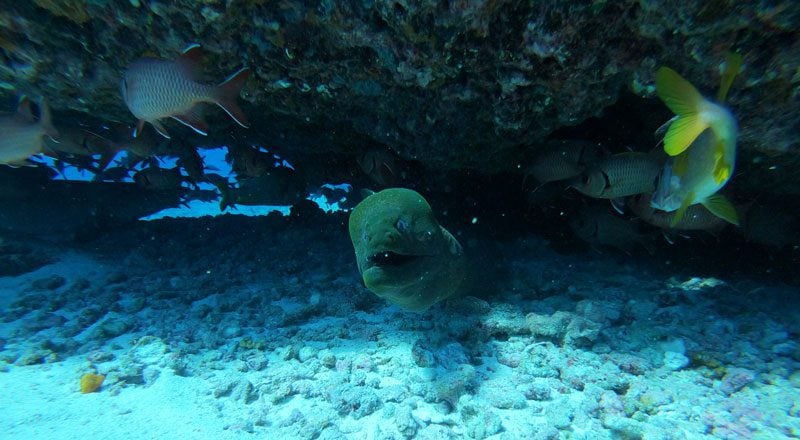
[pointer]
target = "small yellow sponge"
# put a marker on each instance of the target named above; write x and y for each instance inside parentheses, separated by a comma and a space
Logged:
(91, 382)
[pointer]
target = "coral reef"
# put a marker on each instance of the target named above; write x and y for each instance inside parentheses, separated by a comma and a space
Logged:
(453, 85)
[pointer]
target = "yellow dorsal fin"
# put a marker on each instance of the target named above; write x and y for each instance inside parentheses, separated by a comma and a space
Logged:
(718, 205)
(684, 100)
(682, 210)
(722, 169)
(733, 65)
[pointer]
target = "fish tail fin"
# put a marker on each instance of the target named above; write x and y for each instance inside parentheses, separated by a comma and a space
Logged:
(224, 190)
(46, 119)
(225, 95)
(225, 200)
(733, 65)
(718, 205)
(684, 100)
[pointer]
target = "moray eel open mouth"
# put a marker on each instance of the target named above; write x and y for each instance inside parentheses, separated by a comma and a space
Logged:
(403, 254)
(389, 258)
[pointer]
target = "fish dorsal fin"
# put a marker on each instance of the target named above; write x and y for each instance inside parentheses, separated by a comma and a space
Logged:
(684, 100)
(24, 109)
(718, 205)
(190, 60)
(733, 65)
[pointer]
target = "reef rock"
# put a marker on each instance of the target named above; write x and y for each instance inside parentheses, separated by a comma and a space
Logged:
(453, 85)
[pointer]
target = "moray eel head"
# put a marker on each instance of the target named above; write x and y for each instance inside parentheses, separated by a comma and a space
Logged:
(403, 254)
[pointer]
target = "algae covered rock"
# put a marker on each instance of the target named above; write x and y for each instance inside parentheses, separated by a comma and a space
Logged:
(403, 254)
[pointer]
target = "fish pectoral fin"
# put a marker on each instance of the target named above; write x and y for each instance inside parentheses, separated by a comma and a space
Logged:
(688, 201)
(618, 203)
(139, 127)
(193, 120)
(160, 129)
(722, 169)
(720, 206)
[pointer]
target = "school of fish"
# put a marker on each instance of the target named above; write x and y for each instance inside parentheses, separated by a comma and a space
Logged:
(674, 188)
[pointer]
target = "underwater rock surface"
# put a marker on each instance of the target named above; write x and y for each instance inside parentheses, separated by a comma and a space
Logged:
(475, 85)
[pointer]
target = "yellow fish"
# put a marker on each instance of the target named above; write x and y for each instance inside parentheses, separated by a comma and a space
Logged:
(701, 141)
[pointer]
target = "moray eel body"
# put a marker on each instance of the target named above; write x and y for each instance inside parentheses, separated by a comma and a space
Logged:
(403, 255)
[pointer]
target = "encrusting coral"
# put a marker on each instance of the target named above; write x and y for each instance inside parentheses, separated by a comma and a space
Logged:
(91, 382)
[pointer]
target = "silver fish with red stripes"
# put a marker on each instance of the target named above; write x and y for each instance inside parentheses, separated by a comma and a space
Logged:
(155, 89)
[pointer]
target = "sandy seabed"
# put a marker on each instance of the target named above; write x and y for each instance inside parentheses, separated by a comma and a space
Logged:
(260, 328)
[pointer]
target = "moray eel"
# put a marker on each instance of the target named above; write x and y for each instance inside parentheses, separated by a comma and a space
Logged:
(403, 255)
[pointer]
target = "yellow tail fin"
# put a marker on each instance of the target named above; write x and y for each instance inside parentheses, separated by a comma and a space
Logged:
(684, 100)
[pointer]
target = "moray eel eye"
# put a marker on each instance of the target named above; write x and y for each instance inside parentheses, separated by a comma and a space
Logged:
(389, 258)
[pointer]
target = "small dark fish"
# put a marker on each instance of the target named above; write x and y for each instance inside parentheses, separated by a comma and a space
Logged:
(620, 175)
(159, 179)
(191, 162)
(203, 195)
(697, 217)
(600, 227)
(146, 146)
(248, 161)
(563, 159)
(281, 186)
(114, 174)
(380, 166)
(76, 141)
(155, 89)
